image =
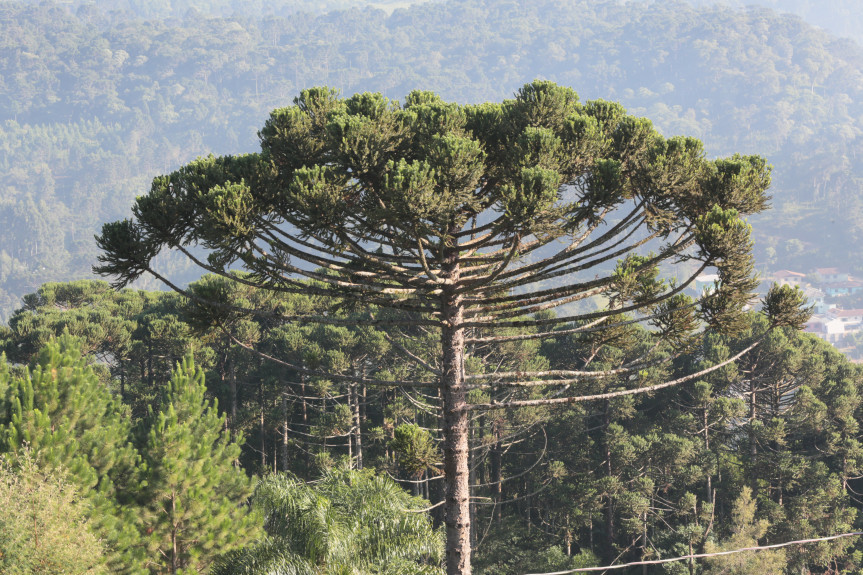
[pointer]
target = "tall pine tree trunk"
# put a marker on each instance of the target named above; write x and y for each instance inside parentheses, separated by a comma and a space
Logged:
(263, 427)
(151, 378)
(285, 427)
(705, 420)
(305, 405)
(233, 371)
(455, 429)
(496, 462)
(471, 466)
(609, 510)
(357, 434)
(753, 450)
(644, 544)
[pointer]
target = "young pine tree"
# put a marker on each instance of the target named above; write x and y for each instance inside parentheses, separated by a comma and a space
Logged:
(194, 492)
(746, 530)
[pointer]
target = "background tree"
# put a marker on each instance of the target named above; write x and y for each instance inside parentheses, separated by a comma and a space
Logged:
(745, 532)
(416, 450)
(550, 506)
(99, 100)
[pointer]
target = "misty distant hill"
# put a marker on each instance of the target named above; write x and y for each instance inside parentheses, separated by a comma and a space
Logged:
(95, 103)
(174, 9)
(839, 17)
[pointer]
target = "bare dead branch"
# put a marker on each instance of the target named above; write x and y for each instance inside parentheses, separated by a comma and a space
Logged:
(621, 393)
(705, 555)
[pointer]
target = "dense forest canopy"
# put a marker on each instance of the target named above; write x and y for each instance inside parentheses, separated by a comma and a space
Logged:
(766, 449)
(93, 105)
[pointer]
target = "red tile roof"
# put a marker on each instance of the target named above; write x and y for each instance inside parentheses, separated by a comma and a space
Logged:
(846, 312)
(846, 284)
(787, 274)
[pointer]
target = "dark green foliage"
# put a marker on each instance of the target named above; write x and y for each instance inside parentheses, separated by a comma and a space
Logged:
(137, 336)
(434, 213)
(181, 481)
(416, 450)
(63, 412)
(511, 547)
(599, 465)
(745, 531)
(683, 454)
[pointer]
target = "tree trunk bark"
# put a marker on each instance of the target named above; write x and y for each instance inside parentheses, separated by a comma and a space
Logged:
(455, 428)
(285, 427)
(644, 545)
(151, 378)
(305, 407)
(471, 466)
(753, 451)
(609, 510)
(691, 561)
(233, 400)
(497, 469)
(262, 427)
(363, 404)
(358, 438)
(707, 448)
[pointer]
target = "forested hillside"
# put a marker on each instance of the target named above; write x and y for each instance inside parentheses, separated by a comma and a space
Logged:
(94, 103)
(170, 9)
(839, 17)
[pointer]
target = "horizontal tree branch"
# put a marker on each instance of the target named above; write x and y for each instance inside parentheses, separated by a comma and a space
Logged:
(621, 393)
(705, 555)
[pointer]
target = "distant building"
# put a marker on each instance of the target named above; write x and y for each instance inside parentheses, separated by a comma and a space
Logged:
(705, 282)
(815, 297)
(835, 324)
(787, 277)
(832, 275)
(830, 329)
(840, 288)
(851, 318)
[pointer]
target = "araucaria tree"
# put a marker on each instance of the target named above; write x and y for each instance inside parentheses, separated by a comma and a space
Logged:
(475, 221)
